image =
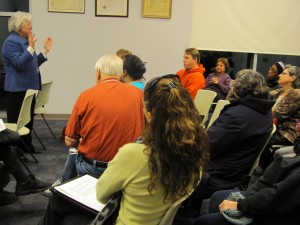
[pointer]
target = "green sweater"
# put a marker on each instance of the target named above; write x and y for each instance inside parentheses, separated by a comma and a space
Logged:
(129, 172)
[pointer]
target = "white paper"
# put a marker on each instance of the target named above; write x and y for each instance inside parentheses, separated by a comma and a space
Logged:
(83, 190)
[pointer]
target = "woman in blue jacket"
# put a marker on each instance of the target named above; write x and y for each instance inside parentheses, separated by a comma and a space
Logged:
(21, 65)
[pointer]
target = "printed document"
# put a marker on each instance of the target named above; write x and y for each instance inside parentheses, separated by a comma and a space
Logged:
(83, 190)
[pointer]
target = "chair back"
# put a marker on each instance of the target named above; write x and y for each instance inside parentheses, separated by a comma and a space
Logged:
(25, 112)
(219, 106)
(43, 95)
(255, 164)
(203, 101)
(170, 214)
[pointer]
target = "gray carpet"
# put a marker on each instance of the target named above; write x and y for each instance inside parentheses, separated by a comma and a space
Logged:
(28, 209)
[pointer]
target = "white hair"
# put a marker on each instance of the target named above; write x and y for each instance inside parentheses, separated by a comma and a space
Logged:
(110, 65)
(16, 20)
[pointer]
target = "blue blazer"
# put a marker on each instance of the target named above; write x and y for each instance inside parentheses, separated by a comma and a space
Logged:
(21, 68)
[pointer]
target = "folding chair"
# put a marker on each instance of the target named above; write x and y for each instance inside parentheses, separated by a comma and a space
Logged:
(23, 119)
(219, 106)
(256, 162)
(203, 102)
(41, 100)
(170, 214)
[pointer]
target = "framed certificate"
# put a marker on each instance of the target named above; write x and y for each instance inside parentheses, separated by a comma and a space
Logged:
(67, 6)
(157, 8)
(118, 8)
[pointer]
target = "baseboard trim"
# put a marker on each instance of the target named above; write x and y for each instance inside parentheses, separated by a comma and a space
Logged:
(53, 117)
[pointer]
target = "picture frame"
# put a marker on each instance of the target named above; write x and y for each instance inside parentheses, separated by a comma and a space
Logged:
(66, 6)
(157, 8)
(111, 8)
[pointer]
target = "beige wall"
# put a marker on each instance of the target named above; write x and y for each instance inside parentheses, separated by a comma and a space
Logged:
(80, 39)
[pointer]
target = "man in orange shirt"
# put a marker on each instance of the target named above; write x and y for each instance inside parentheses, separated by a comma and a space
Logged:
(191, 76)
(104, 118)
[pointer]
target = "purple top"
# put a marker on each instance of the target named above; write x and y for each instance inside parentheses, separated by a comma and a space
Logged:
(223, 84)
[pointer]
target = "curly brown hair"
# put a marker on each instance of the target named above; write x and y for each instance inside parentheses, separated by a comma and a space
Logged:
(176, 142)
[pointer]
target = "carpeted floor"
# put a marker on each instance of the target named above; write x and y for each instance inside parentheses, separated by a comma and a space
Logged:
(28, 209)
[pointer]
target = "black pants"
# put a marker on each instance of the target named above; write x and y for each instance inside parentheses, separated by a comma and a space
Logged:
(59, 209)
(8, 155)
(14, 101)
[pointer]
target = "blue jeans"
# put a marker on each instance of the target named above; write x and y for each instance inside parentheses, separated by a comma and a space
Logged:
(69, 171)
(83, 168)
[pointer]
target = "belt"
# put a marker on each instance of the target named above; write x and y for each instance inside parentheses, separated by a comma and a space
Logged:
(91, 162)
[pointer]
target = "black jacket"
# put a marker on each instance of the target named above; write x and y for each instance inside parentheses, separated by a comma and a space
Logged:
(275, 198)
(236, 138)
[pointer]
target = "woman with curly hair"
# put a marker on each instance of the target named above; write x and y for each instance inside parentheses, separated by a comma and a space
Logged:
(168, 162)
(164, 165)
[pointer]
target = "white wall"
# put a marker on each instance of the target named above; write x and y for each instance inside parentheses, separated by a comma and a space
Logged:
(80, 39)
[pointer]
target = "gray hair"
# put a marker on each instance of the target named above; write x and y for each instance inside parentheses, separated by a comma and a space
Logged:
(110, 65)
(294, 71)
(249, 82)
(16, 20)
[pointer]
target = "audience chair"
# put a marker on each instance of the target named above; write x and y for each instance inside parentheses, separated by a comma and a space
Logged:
(23, 119)
(256, 162)
(170, 214)
(203, 102)
(41, 100)
(219, 106)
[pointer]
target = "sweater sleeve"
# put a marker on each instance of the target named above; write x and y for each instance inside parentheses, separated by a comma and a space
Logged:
(225, 83)
(16, 55)
(118, 175)
(73, 127)
(275, 191)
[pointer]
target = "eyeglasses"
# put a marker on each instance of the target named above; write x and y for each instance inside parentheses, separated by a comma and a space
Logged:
(155, 80)
(285, 73)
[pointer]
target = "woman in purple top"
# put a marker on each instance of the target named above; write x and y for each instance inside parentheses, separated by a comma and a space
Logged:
(219, 81)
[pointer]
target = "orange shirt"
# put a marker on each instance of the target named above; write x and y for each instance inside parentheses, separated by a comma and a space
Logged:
(193, 79)
(106, 117)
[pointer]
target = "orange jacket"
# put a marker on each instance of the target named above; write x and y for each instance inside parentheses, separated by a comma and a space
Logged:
(192, 80)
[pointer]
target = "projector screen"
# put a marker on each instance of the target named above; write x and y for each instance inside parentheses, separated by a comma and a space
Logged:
(253, 26)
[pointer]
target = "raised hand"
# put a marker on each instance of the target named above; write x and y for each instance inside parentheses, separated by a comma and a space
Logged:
(31, 40)
(48, 44)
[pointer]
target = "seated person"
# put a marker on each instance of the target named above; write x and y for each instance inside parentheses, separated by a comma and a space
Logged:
(286, 110)
(236, 137)
(166, 166)
(191, 76)
(272, 76)
(272, 200)
(26, 184)
(134, 69)
(104, 118)
(219, 81)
